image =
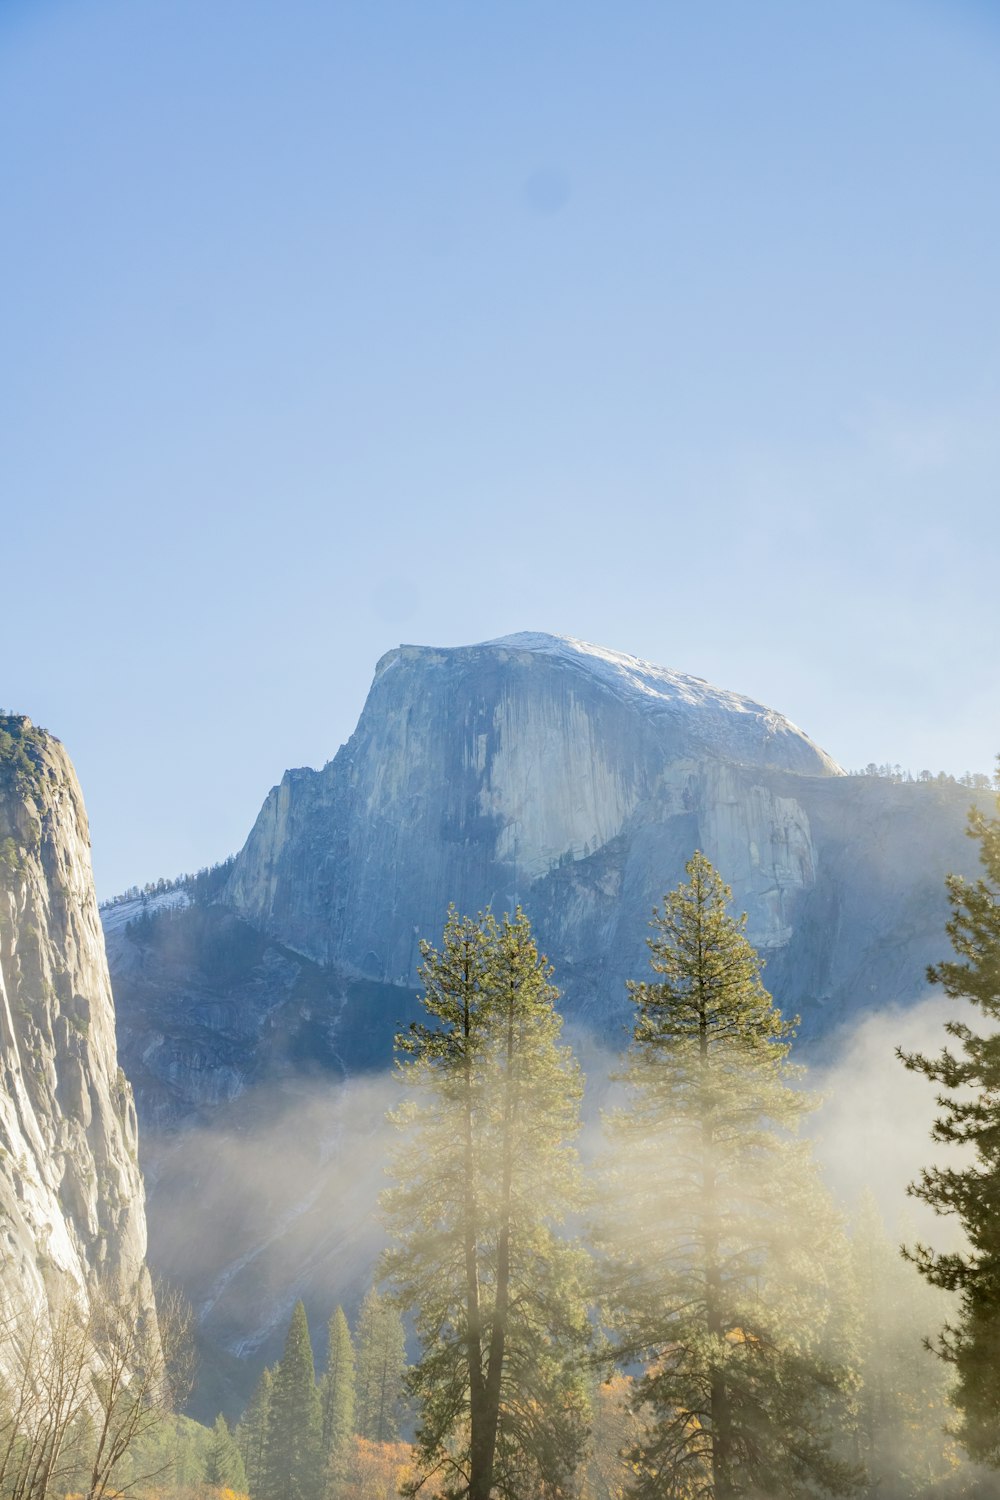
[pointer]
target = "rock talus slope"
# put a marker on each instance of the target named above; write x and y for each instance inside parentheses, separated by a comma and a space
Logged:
(72, 1210)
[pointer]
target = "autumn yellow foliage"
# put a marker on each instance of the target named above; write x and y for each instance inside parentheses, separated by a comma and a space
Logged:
(375, 1471)
(179, 1492)
(614, 1430)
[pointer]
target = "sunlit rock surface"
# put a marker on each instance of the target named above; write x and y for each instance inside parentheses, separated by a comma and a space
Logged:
(577, 782)
(476, 773)
(537, 770)
(71, 1199)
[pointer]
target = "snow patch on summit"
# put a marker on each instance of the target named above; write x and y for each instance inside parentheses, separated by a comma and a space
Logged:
(650, 685)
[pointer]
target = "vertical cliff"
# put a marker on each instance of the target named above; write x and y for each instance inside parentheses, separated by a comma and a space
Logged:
(578, 781)
(476, 772)
(71, 1199)
(537, 769)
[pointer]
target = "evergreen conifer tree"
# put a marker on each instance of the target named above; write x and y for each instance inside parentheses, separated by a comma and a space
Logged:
(381, 1367)
(338, 1401)
(720, 1241)
(293, 1467)
(969, 1077)
(225, 1465)
(486, 1172)
(901, 1407)
(251, 1435)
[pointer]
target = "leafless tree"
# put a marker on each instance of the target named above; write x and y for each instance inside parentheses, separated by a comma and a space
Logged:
(82, 1382)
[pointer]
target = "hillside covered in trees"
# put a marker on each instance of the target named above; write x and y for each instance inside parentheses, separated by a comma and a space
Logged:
(686, 1313)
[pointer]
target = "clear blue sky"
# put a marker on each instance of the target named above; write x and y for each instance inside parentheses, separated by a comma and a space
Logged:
(673, 326)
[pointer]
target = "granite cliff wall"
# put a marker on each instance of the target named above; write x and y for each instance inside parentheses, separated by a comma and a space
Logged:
(577, 782)
(72, 1208)
(477, 773)
(533, 769)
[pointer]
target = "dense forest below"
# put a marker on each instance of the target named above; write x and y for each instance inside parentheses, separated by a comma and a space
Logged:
(684, 1313)
(676, 1307)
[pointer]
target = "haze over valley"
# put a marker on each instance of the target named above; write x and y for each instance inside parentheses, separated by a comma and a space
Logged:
(257, 1003)
(500, 928)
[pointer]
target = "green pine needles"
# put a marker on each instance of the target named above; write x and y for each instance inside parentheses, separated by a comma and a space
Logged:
(721, 1246)
(299, 1438)
(969, 1079)
(251, 1434)
(759, 1355)
(225, 1468)
(485, 1176)
(381, 1367)
(338, 1400)
(292, 1458)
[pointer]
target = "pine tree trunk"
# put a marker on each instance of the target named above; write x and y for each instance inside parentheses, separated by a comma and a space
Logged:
(718, 1394)
(480, 1449)
(382, 1424)
(498, 1335)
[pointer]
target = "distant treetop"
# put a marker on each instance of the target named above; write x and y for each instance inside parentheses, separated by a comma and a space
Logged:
(202, 886)
(978, 781)
(22, 746)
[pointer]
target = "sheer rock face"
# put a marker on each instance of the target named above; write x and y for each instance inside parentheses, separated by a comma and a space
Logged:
(533, 769)
(577, 782)
(476, 774)
(71, 1199)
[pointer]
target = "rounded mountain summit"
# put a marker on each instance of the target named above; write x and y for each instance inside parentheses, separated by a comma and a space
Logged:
(577, 781)
(689, 712)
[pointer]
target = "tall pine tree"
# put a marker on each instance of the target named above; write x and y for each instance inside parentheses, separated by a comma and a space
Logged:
(293, 1467)
(338, 1401)
(901, 1408)
(224, 1468)
(381, 1366)
(969, 1078)
(251, 1435)
(486, 1172)
(720, 1241)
